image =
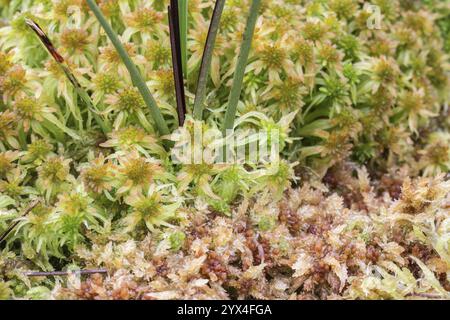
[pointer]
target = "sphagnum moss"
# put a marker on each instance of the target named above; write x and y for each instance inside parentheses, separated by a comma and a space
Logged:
(361, 112)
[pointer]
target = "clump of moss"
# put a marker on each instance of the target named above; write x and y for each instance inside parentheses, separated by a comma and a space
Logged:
(375, 247)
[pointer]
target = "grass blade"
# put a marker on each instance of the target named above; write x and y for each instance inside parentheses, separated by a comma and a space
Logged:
(238, 77)
(206, 59)
(176, 60)
(136, 77)
(63, 65)
(183, 18)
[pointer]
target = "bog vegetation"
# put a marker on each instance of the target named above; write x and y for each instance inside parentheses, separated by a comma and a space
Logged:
(357, 208)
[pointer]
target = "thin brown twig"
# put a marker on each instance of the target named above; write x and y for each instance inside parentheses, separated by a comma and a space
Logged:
(14, 224)
(64, 273)
(425, 295)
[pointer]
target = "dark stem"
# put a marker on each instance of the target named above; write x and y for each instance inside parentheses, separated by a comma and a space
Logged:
(175, 43)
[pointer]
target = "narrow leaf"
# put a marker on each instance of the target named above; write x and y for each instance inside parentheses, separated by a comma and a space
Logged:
(238, 77)
(206, 59)
(136, 77)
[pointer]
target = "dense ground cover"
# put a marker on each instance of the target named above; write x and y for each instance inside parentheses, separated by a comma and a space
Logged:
(357, 207)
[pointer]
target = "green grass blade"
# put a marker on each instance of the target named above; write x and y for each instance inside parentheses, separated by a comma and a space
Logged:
(183, 14)
(206, 59)
(136, 77)
(238, 77)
